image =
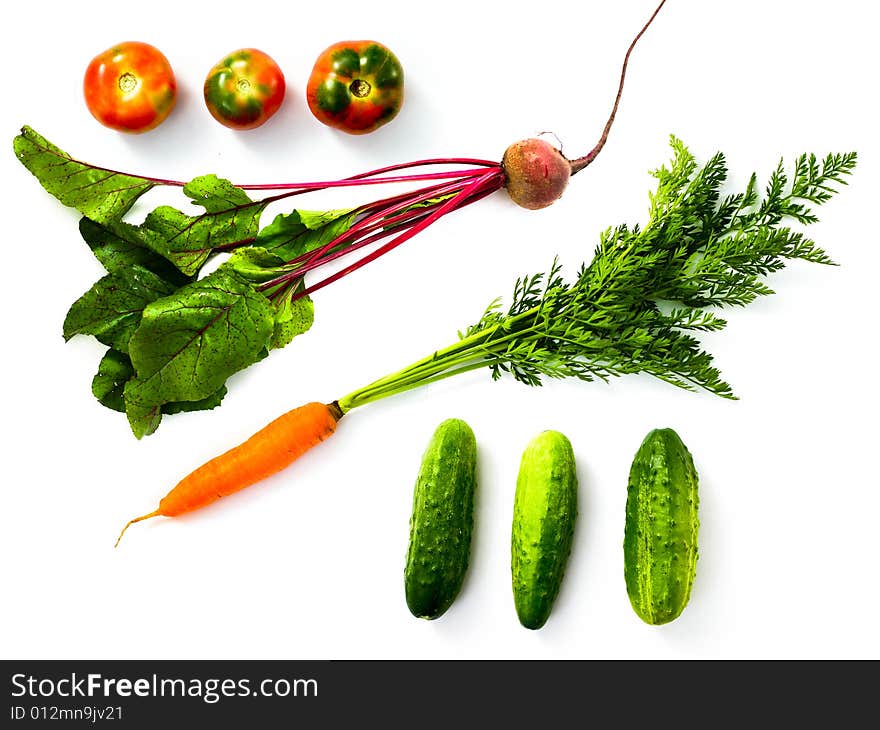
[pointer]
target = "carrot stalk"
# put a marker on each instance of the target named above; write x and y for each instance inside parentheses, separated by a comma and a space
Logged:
(268, 451)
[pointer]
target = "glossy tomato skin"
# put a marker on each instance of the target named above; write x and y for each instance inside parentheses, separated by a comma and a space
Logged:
(356, 86)
(244, 89)
(130, 87)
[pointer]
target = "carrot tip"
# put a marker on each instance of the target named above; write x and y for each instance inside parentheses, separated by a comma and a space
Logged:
(154, 513)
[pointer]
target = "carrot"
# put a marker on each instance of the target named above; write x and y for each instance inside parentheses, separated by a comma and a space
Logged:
(269, 450)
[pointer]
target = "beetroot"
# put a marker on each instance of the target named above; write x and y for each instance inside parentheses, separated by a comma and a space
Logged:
(536, 173)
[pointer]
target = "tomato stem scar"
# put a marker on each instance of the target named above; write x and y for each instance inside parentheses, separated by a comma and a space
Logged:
(127, 82)
(360, 88)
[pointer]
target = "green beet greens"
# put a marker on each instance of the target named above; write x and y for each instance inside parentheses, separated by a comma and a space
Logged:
(635, 306)
(175, 337)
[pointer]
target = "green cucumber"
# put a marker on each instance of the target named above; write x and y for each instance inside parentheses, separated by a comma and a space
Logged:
(442, 520)
(544, 512)
(660, 536)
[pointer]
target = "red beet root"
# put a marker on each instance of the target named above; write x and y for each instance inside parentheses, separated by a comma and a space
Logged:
(536, 173)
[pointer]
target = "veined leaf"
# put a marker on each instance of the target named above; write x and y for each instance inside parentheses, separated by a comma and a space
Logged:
(292, 318)
(256, 264)
(142, 419)
(187, 241)
(187, 406)
(116, 253)
(292, 234)
(190, 342)
(111, 309)
(116, 369)
(99, 194)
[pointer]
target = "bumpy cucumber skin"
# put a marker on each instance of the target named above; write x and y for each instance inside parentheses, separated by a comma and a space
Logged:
(442, 520)
(544, 513)
(660, 537)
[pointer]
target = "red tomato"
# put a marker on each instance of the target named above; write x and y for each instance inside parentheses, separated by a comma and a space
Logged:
(130, 87)
(356, 86)
(244, 89)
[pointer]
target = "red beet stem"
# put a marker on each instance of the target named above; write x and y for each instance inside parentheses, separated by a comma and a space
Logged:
(403, 221)
(486, 183)
(366, 208)
(352, 180)
(381, 215)
(387, 227)
(357, 181)
(581, 162)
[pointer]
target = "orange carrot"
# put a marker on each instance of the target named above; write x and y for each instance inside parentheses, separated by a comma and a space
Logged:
(269, 450)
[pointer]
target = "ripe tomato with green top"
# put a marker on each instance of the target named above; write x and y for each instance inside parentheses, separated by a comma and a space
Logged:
(130, 87)
(356, 86)
(244, 89)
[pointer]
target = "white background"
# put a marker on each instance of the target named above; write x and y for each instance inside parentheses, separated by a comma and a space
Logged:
(309, 564)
